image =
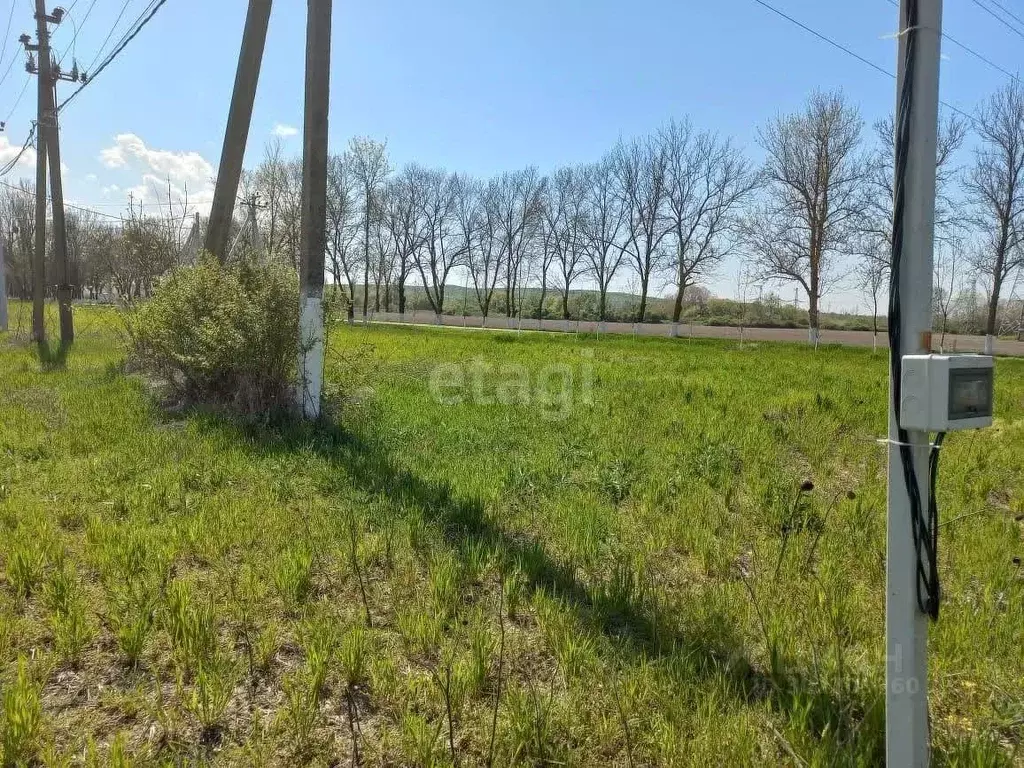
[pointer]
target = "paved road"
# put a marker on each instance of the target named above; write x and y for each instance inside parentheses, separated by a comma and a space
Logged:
(953, 343)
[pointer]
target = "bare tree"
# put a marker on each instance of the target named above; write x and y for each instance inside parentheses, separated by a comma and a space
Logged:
(342, 223)
(707, 181)
(947, 268)
(601, 224)
(368, 161)
(402, 214)
(814, 201)
(642, 172)
(563, 214)
(873, 277)
(996, 186)
(478, 217)
(876, 237)
(517, 198)
(278, 182)
(385, 245)
(443, 249)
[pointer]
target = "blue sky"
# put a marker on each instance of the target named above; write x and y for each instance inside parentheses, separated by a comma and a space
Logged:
(479, 86)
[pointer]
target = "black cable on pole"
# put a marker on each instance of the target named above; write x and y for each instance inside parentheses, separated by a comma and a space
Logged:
(924, 523)
(114, 54)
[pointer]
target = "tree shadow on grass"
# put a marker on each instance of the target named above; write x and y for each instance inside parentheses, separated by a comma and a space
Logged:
(632, 621)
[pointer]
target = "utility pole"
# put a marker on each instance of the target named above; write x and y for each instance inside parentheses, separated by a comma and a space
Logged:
(48, 152)
(236, 134)
(313, 245)
(3, 289)
(39, 254)
(60, 232)
(906, 627)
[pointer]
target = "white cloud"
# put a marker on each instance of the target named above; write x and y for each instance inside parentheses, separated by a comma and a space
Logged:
(92, 178)
(284, 131)
(180, 177)
(130, 151)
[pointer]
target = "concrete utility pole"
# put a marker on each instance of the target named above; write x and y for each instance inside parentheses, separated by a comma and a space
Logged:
(236, 133)
(39, 256)
(313, 244)
(3, 289)
(906, 627)
(60, 232)
(48, 152)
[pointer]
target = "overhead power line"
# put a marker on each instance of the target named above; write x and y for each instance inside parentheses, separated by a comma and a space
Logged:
(11, 164)
(970, 50)
(7, 34)
(826, 39)
(78, 28)
(31, 193)
(999, 18)
(137, 27)
(1007, 11)
(849, 52)
(103, 45)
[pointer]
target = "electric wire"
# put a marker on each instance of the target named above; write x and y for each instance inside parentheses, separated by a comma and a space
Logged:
(3, 53)
(103, 45)
(32, 193)
(981, 57)
(1007, 11)
(855, 55)
(11, 164)
(137, 28)
(78, 28)
(998, 18)
(21, 95)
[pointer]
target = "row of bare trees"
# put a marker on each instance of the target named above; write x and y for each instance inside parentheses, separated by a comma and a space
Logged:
(660, 213)
(666, 204)
(666, 210)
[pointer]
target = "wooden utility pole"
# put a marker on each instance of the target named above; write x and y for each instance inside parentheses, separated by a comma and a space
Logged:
(313, 244)
(236, 134)
(48, 152)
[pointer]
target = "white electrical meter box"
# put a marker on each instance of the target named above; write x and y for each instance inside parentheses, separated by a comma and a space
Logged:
(939, 393)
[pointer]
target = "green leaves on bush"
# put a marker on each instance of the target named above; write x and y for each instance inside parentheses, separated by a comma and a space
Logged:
(223, 335)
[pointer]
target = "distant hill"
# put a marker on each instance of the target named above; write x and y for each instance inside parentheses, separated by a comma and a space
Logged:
(699, 309)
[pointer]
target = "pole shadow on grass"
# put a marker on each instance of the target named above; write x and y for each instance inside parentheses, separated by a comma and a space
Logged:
(634, 625)
(53, 357)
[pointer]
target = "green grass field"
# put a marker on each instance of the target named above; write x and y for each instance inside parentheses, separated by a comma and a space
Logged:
(548, 551)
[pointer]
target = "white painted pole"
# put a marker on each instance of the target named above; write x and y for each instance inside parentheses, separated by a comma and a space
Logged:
(3, 289)
(906, 627)
(314, 207)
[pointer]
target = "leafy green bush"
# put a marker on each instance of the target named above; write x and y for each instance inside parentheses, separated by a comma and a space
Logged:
(223, 335)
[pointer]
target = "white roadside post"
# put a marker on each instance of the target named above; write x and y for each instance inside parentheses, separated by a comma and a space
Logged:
(314, 208)
(906, 627)
(3, 289)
